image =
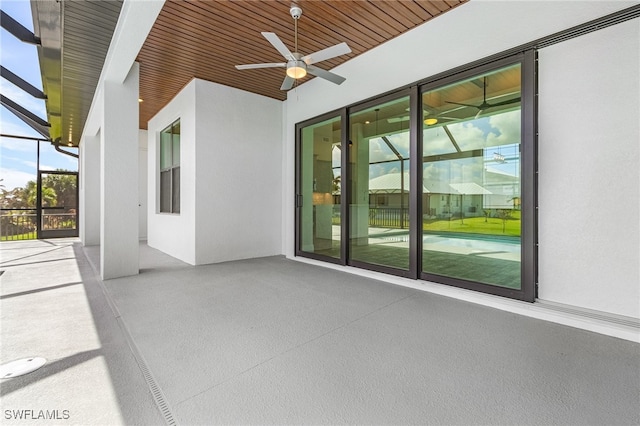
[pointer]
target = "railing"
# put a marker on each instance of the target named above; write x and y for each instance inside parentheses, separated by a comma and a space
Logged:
(22, 224)
(388, 217)
(18, 224)
(381, 217)
(53, 221)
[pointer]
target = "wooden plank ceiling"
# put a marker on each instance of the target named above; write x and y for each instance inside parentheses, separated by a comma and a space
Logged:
(205, 39)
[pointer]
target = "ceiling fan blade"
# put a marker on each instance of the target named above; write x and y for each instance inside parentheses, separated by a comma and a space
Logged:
(327, 75)
(287, 83)
(398, 119)
(510, 101)
(328, 53)
(269, 65)
(467, 105)
(279, 45)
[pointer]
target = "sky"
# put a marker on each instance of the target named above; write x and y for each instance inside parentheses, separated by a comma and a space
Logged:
(18, 157)
(498, 135)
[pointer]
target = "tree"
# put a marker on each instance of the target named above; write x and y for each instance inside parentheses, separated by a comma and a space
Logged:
(17, 198)
(65, 188)
(336, 184)
(49, 196)
(57, 190)
(504, 214)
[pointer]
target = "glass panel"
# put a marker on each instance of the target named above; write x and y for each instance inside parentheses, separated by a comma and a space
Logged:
(59, 201)
(18, 162)
(176, 150)
(175, 186)
(50, 159)
(165, 191)
(320, 187)
(165, 149)
(379, 166)
(471, 179)
(170, 169)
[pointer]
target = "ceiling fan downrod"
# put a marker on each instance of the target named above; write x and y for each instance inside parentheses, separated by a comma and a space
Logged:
(296, 13)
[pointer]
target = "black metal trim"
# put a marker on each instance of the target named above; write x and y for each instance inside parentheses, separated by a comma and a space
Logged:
(465, 72)
(168, 169)
(62, 151)
(529, 171)
(17, 29)
(39, 196)
(382, 99)
(32, 120)
(528, 163)
(345, 187)
(21, 83)
(56, 233)
(412, 271)
(475, 286)
(404, 273)
(29, 138)
(298, 190)
(415, 179)
(320, 257)
(297, 193)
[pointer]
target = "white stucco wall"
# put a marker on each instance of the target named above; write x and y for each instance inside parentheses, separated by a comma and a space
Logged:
(231, 176)
(174, 234)
(589, 174)
(238, 174)
(119, 177)
(89, 193)
(466, 34)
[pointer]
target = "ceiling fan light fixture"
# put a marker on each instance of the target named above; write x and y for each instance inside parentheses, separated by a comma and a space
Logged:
(430, 121)
(296, 69)
(298, 65)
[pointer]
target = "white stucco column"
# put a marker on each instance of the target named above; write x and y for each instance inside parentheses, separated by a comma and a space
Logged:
(90, 190)
(119, 178)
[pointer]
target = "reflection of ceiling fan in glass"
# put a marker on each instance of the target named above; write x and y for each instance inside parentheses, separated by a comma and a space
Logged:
(485, 105)
(429, 114)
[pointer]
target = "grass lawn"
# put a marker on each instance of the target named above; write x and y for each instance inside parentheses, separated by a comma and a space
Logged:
(25, 236)
(477, 225)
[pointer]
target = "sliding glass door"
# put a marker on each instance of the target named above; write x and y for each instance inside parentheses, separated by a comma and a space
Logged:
(379, 184)
(319, 188)
(471, 169)
(436, 181)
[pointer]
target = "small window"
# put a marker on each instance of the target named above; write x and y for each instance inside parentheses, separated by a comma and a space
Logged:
(170, 169)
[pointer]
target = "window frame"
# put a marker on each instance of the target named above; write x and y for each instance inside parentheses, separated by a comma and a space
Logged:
(529, 167)
(528, 163)
(298, 203)
(172, 170)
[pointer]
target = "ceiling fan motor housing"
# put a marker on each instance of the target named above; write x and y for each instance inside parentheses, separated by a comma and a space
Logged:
(296, 12)
(296, 68)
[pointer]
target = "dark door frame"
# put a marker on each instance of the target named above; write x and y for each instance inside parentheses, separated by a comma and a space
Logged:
(56, 233)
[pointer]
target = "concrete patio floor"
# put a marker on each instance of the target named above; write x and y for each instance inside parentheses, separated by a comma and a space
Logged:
(274, 341)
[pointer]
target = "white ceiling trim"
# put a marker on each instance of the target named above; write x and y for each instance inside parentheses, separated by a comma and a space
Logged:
(135, 22)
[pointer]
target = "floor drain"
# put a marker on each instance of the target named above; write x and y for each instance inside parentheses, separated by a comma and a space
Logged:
(21, 367)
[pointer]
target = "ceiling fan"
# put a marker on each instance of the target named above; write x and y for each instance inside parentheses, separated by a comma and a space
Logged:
(298, 65)
(485, 105)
